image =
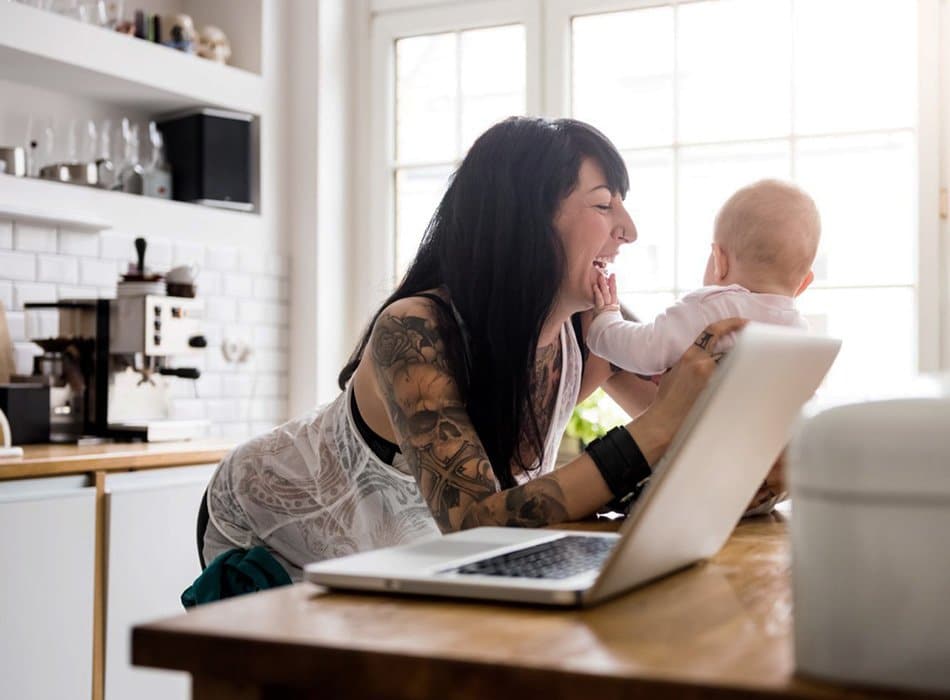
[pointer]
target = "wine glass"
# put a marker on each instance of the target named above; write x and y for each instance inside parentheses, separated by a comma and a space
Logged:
(41, 143)
(89, 145)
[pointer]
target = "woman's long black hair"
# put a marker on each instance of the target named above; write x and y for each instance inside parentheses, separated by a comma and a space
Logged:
(492, 245)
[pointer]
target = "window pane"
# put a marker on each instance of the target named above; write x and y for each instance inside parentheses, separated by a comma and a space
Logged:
(708, 175)
(855, 64)
(865, 190)
(623, 75)
(870, 362)
(418, 192)
(733, 70)
(426, 98)
(648, 263)
(493, 78)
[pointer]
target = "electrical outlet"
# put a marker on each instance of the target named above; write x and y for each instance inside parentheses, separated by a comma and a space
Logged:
(236, 351)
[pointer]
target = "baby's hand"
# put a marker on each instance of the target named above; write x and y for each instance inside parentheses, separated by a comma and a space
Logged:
(605, 295)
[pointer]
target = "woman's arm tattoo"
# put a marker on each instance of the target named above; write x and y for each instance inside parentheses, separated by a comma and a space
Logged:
(535, 504)
(433, 427)
(438, 440)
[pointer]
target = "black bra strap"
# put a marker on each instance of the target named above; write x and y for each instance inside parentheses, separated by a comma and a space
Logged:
(381, 447)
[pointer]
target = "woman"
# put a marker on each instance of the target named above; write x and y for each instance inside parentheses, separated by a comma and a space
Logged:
(455, 399)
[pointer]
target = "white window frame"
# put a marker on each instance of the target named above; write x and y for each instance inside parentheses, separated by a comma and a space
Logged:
(548, 44)
(378, 260)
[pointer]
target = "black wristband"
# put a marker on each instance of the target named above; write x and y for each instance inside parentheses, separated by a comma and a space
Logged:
(621, 463)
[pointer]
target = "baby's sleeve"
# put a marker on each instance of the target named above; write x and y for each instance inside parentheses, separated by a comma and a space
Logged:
(646, 348)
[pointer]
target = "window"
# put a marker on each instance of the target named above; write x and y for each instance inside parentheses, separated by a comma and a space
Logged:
(704, 97)
(449, 88)
(701, 97)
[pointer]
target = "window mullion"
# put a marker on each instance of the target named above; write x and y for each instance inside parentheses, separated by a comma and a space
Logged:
(792, 136)
(676, 153)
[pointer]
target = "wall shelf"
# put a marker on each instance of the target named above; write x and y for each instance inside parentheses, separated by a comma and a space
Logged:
(89, 209)
(61, 54)
(74, 220)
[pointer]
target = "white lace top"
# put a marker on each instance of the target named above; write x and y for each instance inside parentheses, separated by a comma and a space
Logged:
(312, 489)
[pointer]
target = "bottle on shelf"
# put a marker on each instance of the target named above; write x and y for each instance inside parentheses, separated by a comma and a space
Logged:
(130, 177)
(157, 177)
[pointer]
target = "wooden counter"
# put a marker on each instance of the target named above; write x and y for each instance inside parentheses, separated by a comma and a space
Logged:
(55, 460)
(721, 629)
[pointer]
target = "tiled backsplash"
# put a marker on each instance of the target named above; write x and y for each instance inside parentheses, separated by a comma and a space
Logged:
(245, 294)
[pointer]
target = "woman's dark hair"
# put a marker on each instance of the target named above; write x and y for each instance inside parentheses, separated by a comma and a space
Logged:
(492, 245)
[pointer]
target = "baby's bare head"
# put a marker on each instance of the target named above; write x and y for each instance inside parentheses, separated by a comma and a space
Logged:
(771, 229)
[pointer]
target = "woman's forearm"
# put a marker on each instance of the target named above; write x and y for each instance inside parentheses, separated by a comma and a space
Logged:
(632, 394)
(652, 434)
(574, 491)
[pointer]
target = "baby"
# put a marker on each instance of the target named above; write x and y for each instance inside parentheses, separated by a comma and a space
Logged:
(764, 244)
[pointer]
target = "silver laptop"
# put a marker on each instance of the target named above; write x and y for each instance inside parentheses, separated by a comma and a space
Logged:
(698, 492)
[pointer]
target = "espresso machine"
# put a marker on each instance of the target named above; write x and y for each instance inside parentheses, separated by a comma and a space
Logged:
(109, 365)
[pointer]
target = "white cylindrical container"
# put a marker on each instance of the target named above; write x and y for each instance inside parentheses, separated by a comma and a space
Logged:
(871, 544)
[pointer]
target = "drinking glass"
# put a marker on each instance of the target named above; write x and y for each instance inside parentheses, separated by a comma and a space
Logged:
(70, 8)
(95, 12)
(89, 145)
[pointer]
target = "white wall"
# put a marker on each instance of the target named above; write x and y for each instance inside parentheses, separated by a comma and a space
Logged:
(321, 73)
(245, 292)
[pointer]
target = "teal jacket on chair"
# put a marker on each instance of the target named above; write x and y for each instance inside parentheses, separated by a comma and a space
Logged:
(233, 573)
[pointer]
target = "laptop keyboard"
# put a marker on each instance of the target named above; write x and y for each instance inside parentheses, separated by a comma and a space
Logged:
(560, 558)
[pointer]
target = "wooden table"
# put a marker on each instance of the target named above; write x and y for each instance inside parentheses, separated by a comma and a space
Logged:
(718, 630)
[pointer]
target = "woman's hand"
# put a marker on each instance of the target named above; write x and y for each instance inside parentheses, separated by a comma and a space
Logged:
(678, 389)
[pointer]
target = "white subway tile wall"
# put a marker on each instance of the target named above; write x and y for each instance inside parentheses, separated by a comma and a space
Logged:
(245, 295)
(78, 243)
(6, 234)
(31, 237)
(17, 266)
(57, 268)
(32, 291)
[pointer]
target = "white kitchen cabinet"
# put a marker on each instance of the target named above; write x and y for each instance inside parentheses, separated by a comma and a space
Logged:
(152, 558)
(46, 588)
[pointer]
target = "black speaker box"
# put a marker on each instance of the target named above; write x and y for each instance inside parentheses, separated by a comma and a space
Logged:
(209, 151)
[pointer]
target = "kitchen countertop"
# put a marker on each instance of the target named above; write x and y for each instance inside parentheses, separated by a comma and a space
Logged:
(55, 460)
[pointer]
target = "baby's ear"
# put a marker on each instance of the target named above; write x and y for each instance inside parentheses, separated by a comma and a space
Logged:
(720, 262)
(809, 278)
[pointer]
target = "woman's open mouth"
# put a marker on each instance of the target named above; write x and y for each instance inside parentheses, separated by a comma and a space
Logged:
(603, 263)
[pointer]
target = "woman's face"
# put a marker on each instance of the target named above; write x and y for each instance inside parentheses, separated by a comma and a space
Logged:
(593, 224)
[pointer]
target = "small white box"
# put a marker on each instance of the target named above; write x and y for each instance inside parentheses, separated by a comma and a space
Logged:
(871, 544)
